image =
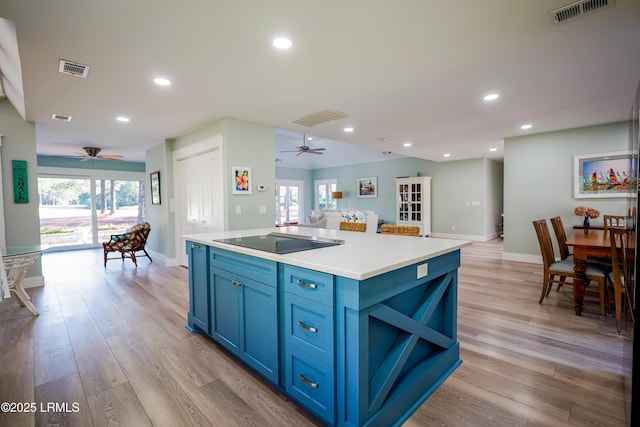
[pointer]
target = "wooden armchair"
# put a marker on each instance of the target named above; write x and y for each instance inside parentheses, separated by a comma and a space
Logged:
(128, 243)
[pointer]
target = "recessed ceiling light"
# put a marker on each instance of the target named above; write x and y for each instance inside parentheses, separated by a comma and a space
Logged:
(446, 155)
(123, 119)
(527, 126)
(349, 129)
(282, 43)
(407, 144)
(161, 81)
(493, 149)
(309, 138)
(491, 97)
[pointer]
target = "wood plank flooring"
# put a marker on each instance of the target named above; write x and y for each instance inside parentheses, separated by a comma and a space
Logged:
(111, 345)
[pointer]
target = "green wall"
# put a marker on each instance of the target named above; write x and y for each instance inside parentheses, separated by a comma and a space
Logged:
(22, 221)
(538, 176)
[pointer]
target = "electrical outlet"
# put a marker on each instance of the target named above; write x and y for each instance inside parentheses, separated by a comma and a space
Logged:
(262, 209)
(423, 270)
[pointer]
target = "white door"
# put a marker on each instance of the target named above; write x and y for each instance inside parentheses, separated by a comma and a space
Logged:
(199, 195)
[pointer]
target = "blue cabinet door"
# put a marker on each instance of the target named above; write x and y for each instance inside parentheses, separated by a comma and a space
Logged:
(198, 317)
(259, 327)
(225, 309)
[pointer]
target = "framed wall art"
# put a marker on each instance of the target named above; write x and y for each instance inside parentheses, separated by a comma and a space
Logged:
(367, 187)
(241, 179)
(604, 175)
(155, 188)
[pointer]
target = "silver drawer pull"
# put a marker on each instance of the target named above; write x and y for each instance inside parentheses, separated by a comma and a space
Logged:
(236, 283)
(307, 382)
(308, 328)
(195, 246)
(307, 285)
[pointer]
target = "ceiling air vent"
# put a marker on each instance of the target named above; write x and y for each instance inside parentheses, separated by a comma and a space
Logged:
(318, 118)
(576, 9)
(61, 117)
(73, 68)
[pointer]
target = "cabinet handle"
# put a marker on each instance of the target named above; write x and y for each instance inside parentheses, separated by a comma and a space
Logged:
(307, 382)
(307, 285)
(306, 327)
(236, 283)
(195, 246)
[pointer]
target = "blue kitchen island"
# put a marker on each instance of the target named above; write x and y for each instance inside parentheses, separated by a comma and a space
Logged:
(358, 332)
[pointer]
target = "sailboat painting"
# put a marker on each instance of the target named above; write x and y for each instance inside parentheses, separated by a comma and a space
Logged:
(605, 175)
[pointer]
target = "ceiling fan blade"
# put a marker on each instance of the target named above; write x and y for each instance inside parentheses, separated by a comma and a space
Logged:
(110, 158)
(86, 158)
(314, 152)
(290, 151)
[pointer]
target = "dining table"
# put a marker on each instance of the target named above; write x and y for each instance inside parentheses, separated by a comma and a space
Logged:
(586, 242)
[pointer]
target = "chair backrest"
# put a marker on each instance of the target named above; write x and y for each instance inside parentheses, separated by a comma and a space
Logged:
(561, 236)
(139, 234)
(353, 226)
(620, 252)
(614, 221)
(544, 240)
(401, 230)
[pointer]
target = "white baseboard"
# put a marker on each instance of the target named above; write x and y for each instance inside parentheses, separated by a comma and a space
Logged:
(172, 262)
(531, 259)
(473, 237)
(33, 282)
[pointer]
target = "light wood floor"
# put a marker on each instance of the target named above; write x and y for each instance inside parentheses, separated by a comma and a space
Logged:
(111, 344)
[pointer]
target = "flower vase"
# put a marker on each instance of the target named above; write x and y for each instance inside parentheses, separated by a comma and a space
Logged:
(586, 221)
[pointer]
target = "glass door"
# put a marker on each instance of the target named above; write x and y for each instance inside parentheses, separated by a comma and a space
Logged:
(289, 199)
(78, 212)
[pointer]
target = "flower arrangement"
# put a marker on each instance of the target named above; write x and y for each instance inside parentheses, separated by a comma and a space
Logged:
(586, 212)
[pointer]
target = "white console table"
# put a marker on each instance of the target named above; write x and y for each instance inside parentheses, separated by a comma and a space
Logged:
(16, 260)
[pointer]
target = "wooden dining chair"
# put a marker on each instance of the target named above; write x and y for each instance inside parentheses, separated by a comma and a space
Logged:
(563, 269)
(561, 237)
(614, 221)
(353, 226)
(621, 277)
(401, 230)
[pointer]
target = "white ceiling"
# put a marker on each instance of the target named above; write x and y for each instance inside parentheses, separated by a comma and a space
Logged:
(407, 70)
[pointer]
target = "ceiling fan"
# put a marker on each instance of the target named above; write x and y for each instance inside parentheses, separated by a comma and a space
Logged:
(305, 148)
(92, 154)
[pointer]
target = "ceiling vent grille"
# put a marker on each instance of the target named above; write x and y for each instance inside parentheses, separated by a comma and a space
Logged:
(576, 9)
(318, 118)
(61, 117)
(73, 68)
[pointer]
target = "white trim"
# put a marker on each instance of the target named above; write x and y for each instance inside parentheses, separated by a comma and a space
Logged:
(33, 282)
(531, 259)
(473, 237)
(55, 172)
(2, 228)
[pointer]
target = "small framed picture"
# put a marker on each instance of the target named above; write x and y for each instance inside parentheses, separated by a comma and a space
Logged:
(367, 187)
(241, 179)
(155, 188)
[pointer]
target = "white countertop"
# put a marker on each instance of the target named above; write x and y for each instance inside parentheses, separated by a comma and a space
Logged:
(363, 255)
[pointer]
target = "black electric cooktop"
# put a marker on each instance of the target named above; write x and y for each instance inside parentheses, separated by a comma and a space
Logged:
(281, 243)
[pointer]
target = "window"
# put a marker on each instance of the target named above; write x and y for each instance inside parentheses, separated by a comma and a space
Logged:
(289, 207)
(324, 187)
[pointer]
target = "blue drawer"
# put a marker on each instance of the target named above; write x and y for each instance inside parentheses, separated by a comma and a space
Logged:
(309, 326)
(311, 382)
(259, 269)
(310, 284)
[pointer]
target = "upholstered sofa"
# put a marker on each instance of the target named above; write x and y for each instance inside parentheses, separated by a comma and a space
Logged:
(332, 218)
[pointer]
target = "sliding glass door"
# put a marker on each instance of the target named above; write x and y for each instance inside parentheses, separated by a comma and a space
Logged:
(78, 212)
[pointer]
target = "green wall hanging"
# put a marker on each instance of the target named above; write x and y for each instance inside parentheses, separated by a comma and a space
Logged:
(20, 183)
